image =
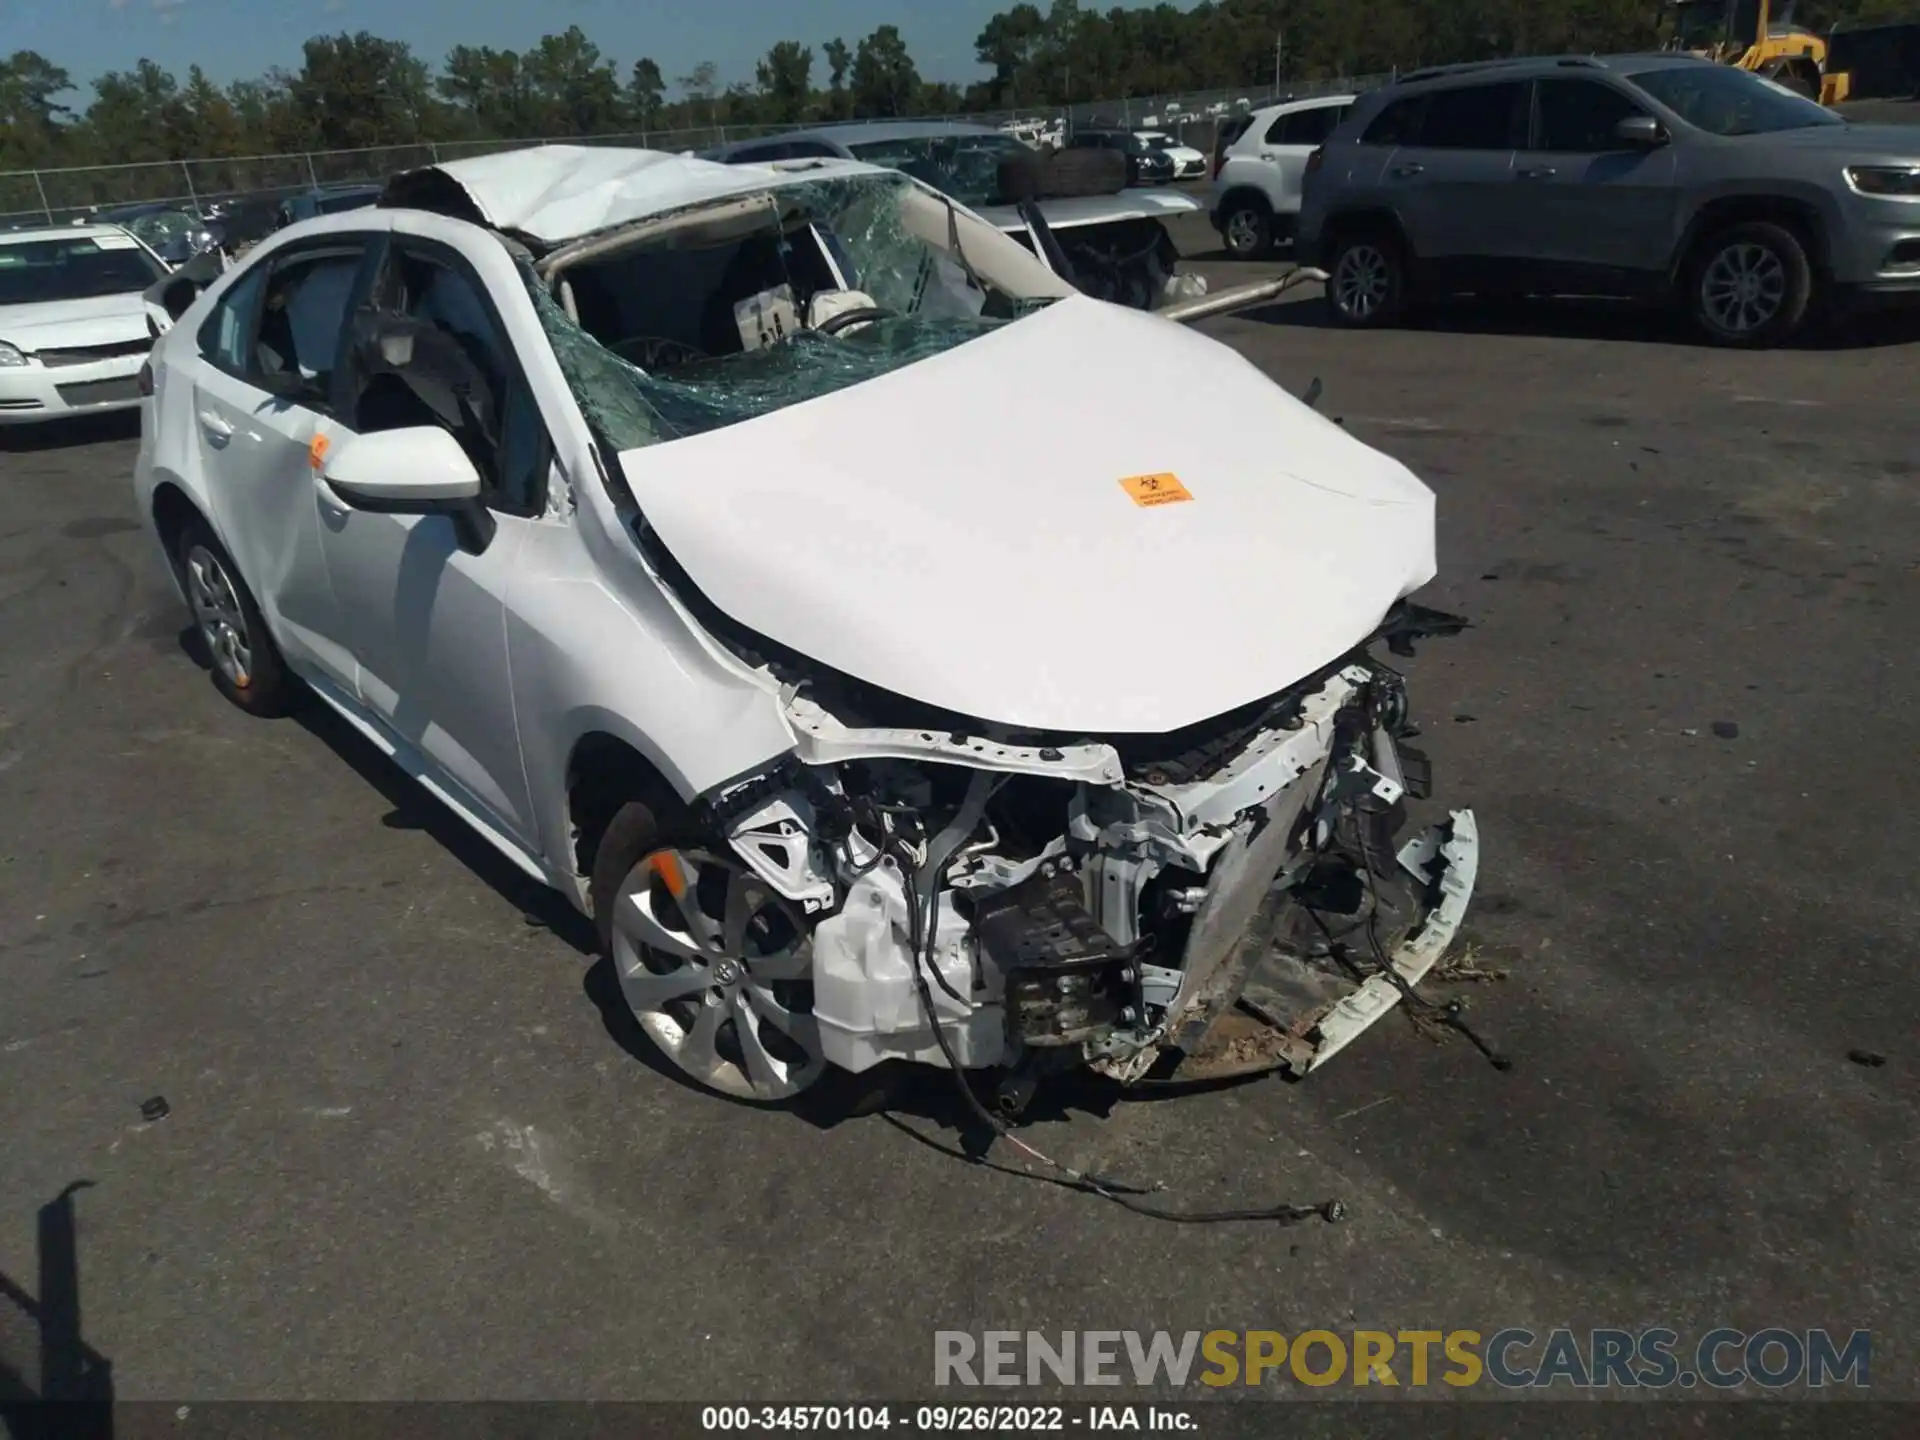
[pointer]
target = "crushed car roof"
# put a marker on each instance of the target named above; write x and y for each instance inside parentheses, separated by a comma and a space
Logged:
(555, 193)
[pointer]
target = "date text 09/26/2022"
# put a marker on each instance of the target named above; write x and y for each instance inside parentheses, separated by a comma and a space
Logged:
(943, 1419)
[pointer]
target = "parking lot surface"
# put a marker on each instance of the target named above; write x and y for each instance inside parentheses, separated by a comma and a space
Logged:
(412, 1151)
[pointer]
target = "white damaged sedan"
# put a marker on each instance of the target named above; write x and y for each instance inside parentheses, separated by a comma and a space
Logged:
(753, 554)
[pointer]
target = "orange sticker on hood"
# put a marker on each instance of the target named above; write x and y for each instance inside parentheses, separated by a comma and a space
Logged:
(317, 451)
(1155, 489)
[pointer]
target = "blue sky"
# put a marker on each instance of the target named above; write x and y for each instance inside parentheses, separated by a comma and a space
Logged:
(233, 39)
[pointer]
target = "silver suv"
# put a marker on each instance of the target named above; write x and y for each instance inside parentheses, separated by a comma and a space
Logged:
(1656, 177)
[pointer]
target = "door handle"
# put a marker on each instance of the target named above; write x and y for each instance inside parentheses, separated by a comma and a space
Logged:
(217, 430)
(1539, 172)
(1401, 172)
(331, 505)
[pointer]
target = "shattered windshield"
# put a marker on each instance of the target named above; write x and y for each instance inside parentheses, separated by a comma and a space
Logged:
(967, 167)
(691, 332)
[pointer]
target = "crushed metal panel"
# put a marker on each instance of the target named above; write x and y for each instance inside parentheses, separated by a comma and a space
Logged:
(1346, 1021)
(556, 193)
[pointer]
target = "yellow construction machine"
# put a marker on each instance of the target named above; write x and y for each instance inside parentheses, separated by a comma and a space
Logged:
(1754, 35)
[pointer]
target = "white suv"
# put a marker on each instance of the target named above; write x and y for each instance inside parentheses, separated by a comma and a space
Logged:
(1257, 176)
(640, 509)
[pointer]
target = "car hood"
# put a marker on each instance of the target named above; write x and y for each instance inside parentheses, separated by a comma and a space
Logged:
(971, 531)
(1890, 141)
(74, 324)
(1132, 204)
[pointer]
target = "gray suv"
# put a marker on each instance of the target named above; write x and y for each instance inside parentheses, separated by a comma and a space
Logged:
(1656, 177)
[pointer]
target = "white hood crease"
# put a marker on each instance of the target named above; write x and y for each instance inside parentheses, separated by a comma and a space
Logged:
(957, 531)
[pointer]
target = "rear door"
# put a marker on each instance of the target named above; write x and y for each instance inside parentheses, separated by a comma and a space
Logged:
(1594, 215)
(267, 354)
(1454, 164)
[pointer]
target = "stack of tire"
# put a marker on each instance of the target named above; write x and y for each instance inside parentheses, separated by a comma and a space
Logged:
(1062, 174)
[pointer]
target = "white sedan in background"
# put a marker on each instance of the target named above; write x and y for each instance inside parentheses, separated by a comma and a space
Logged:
(642, 509)
(1188, 163)
(73, 326)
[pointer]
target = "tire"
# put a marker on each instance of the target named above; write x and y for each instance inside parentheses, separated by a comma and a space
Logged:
(1021, 177)
(1366, 278)
(1749, 285)
(1246, 228)
(713, 1016)
(1082, 170)
(245, 663)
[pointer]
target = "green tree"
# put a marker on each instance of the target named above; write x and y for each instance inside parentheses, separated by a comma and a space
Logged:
(1007, 43)
(356, 91)
(885, 83)
(492, 89)
(646, 89)
(785, 77)
(698, 85)
(839, 61)
(31, 115)
(575, 90)
(135, 114)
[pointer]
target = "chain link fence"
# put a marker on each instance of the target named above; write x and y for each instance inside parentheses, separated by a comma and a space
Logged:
(59, 195)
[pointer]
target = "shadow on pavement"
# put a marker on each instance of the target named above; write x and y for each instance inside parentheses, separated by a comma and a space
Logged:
(67, 1391)
(415, 809)
(1597, 320)
(72, 432)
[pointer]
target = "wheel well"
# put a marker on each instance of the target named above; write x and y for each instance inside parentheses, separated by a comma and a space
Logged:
(1245, 194)
(603, 774)
(172, 511)
(1795, 215)
(1362, 222)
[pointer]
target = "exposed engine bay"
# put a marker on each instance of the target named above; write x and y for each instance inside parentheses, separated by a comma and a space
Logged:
(988, 899)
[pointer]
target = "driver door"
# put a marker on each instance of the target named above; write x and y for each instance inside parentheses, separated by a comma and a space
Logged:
(425, 617)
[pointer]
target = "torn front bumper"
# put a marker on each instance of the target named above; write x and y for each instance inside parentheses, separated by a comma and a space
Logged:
(1248, 1030)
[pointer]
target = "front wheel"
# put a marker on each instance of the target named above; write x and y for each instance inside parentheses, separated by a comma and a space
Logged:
(716, 967)
(1366, 280)
(1749, 285)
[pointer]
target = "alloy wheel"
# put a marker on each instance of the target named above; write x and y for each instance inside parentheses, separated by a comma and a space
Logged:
(215, 602)
(1743, 288)
(1362, 281)
(1243, 232)
(718, 969)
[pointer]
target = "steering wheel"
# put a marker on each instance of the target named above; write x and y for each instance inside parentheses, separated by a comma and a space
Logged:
(656, 352)
(865, 315)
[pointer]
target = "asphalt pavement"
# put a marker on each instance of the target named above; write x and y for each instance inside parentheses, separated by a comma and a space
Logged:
(411, 1150)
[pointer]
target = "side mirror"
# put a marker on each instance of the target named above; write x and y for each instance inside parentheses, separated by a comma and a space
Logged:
(420, 470)
(1641, 132)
